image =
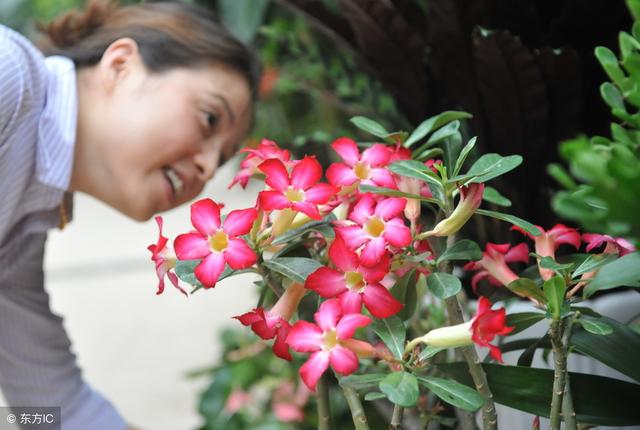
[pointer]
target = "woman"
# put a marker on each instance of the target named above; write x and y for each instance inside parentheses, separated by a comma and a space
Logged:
(136, 106)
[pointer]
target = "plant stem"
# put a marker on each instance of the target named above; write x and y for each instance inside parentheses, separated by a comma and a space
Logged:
(560, 369)
(396, 419)
(454, 310)
(324, 408)
(568, 411)
(357, 412)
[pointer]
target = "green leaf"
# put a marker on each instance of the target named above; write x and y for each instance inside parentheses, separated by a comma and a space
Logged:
(393, 333)
(526, 358)
(527, 288)
(522, 321)
(427, 154)
(429, 351)
(464, 153)
(612, 95)
(184, 271)
(374, 395)
(595, 326)
(415, 169)
(453, 392)
(405, 292)
(593, 262)
(242, 17)
(362, 382)
(487, 167)
(519, 222)
(401, 388)
(613, 403)
(294, 268)
(370, 126)
(390, 192)
(296, 233)
(554, 290)
(619, 350)
(431, 124)
(493, 196)
(550, 263)
(443, 285)
(464, 249)
(625, 271)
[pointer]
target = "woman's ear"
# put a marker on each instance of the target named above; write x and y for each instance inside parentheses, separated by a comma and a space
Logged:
(119, 61)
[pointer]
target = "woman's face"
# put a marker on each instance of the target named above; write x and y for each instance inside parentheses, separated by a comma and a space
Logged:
(154, 139)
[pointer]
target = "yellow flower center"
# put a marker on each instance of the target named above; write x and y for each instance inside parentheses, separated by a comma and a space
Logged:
(219, 241)
(294, 195)
(374, 227)
(354, 280)
(361, 170)
(330, 339)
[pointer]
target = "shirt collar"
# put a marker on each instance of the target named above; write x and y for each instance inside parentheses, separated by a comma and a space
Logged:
(57, 125)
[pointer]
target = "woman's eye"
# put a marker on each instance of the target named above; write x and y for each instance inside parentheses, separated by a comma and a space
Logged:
(212, 119)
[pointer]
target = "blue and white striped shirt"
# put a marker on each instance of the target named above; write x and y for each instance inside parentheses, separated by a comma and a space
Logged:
(38, 114)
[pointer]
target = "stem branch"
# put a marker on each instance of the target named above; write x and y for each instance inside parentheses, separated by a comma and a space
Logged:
(396, 419)
(560, 370)
(324, 408)
(357, 412)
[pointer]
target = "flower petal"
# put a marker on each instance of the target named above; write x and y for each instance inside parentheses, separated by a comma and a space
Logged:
(341, 256)
(373, 251)
(376, 155)
(191, 246)
(239, 255)
(328, 314)
(272, 200)
(341, 174)
(519, 253)
(205, 216)
(239, 222)
(305, 337)
(390, 207)
(312, 370)
(379, 301)
(174, 280)
(320, 193)
(349, 323)
(397, 233)
(353, 235)
(306, 173)
(351, 302)
(363, 210)
(280, 347)
(347, 149)
(326, 282)
(382, 178)
(209, 270)
(343, 360)
(276, 174)
(307, 208)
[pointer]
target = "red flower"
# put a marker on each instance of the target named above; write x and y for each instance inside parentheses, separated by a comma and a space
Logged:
(300, 192)
(548, 241)
(354, 283)
(216, 244)
(493, 264)
(616, 245)
(366, 168)
(487, 324)
(249, 166)
(165, 260)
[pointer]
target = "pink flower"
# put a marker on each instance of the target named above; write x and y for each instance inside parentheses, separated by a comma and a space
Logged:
(548, 241)
(488, 324)
(216, 244)
(165, 260)
(288, 404)
(238, 399)
(377, 225)
(616, 245)
(330, 342)
(354, 283)
(249, 166)
(418, 187)
(493, 264)
(367, 168)
(470, 200)
(275, 323)
(300, 191)
(482, 329)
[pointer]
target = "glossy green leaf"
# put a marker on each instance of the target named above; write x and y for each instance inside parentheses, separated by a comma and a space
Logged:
(550, 263)
(390, 192)
(405, 292)
(415, 169)
(243, 17)
(595, 327)
(554, 289)
(525, 225)
(489, 166)
(619, 350)
(362, 382)
(464, 153)
(526, 358)
(527, 288)
(370, 126)
(401, 388)
(464, 249)
(294, 268)
(429, 351)
(453, 392)
(374, 395)
(625, 271)
(522, 321)
(492, 195)
(296, 233)
(443, 285)
(593, 262)
(393, 333)
(431, 124)
(528, 389)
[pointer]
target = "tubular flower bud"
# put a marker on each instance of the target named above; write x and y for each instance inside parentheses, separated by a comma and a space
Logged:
(470, 199)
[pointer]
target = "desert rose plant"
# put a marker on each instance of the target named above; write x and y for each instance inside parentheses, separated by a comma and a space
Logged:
(352, 270)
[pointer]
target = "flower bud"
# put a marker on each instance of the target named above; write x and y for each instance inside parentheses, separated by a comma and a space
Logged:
(470, 199)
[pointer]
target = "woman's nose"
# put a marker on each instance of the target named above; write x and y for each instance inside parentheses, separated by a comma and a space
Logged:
(206, 163)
